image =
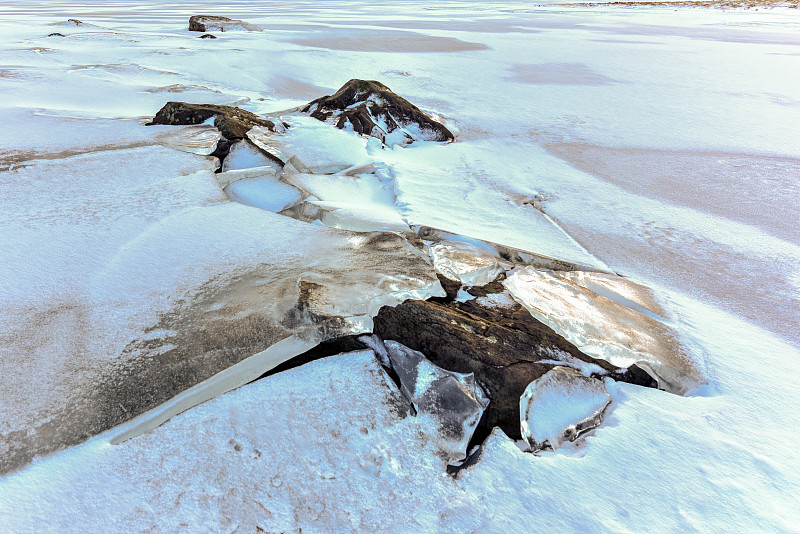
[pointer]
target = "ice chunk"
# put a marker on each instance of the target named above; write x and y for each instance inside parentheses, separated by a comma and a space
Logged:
(244, 155)
(228, 177)
(560, 406)
(465, 262)
(604, 328)
(360, 203)
(265, 193)
(454, 400)
(199, 139)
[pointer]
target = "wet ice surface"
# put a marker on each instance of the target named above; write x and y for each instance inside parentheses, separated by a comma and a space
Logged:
(548, 159)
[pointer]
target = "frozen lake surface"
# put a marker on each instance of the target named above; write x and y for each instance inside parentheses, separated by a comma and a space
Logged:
(658, 142)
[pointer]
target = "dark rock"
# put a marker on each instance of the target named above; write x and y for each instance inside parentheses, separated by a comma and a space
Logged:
(56, 34)
(209, 23)
(372, 109)
(208, 36)
(502, 344)
(233, 123)
(76, 22)
(221, 151)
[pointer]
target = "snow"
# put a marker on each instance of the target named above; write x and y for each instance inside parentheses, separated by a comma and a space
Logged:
(657, 142)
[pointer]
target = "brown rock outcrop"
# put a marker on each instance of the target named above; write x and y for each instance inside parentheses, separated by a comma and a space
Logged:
(372, 109)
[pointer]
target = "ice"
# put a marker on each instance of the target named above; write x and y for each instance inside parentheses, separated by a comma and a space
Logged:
(315, 143)
(244, 155)
(200, 139)
(604, 328)
(199, 290)
(681, 175)
(265, 193)
(362, 202)
(560, 406)
(466, 263)
(453, 400)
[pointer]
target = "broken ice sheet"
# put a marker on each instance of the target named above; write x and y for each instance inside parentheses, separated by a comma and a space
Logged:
(604, 328)
(199, 139)
(194, 294)
(465, 263)
(454, 400)
(559, 406)
(266, 193)
(245, 155)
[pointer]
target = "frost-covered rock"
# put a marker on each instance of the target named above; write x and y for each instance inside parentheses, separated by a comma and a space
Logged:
(210, 23)
(612, 324)
(560, 406)
(370, 108)
(454, 400)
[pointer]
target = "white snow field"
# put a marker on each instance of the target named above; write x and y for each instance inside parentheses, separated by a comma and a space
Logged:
(659, 142)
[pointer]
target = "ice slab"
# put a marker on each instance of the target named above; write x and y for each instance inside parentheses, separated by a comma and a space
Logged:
(266, 193)
(466, 263)
(560, 406)
(315, 143)
(199, 139)
(605, 328)
(454, 400)
(244, 155)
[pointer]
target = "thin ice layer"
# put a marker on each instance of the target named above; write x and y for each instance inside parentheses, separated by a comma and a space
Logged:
(559, 406)
(604, 328)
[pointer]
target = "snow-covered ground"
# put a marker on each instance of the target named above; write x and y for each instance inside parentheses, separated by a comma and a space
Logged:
(657, 142)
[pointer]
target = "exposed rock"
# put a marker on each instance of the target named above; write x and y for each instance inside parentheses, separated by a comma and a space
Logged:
(210, 23)
(493, 337)
(232, 122)
(608, 318)
(208, 36)
(56, 34)
(370, 108)
(561, 406)
(453, 399)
